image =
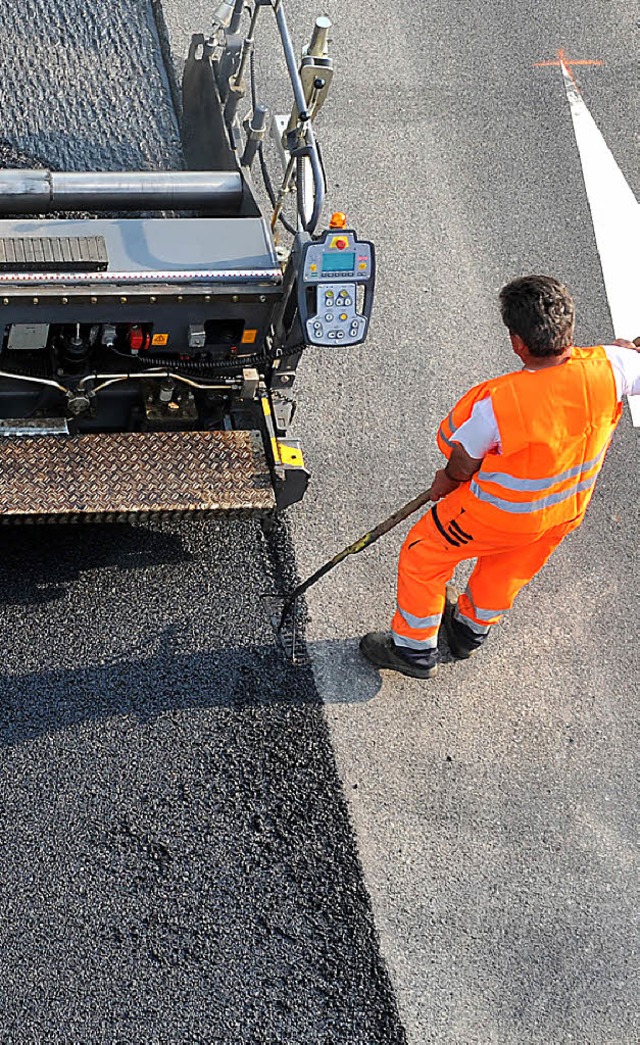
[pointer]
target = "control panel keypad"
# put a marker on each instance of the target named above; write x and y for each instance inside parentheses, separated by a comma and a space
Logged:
(340, 325)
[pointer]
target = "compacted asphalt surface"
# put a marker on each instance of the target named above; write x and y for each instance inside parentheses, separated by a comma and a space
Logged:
(200, 842)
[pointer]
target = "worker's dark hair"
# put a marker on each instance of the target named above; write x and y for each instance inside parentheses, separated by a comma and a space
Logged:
(541, 311)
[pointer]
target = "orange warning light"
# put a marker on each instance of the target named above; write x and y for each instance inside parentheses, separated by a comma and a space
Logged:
(338, 220)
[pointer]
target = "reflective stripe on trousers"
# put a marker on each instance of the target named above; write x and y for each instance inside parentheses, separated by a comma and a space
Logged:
(478, 618)
(417, 633)
(447, 536)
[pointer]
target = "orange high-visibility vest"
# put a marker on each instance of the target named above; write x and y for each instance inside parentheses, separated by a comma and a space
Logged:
(555, 427)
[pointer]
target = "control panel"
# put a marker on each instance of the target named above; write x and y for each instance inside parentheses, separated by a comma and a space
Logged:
(336, 278)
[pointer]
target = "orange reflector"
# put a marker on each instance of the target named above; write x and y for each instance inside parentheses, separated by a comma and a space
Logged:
(249, 337)
(138, 339)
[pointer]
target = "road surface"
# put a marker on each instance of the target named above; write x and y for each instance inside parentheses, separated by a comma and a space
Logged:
(200, 843)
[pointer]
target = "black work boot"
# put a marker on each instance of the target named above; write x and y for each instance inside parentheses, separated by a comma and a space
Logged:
(380, 649)
(462, 641)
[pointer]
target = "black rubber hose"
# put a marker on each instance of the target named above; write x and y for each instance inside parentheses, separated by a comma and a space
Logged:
(192, 366)
(195, 366)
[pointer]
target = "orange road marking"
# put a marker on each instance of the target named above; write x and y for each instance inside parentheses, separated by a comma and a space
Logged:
(562, 60)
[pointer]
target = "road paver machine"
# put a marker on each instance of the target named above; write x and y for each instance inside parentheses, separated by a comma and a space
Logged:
(151, 322)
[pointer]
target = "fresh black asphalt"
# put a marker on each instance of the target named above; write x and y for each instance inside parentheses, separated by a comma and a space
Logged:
(176, 859)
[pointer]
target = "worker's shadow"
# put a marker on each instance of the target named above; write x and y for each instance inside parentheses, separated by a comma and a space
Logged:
(342, 674)
(145, 683)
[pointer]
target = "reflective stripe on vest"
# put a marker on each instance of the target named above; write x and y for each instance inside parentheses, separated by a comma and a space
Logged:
(528, 507)
(460, 413)
(511, 482)
(448, 439)
(555, 426)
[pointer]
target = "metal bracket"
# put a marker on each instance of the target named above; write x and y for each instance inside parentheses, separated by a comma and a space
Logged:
(283, 411)
(250, 383)
(278, 129)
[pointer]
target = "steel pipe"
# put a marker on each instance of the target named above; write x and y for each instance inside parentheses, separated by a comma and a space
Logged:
(319, 46)
(43, 191)
(301, 102)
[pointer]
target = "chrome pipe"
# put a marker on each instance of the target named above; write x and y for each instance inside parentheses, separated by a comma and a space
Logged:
(43, 191)
(34, 380)
(319, 46)
(112, 379)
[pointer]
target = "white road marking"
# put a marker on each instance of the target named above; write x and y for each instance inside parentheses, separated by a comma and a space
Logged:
(615, 212)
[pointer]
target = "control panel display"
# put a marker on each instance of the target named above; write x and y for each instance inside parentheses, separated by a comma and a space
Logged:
(335, 288)
(332, 263)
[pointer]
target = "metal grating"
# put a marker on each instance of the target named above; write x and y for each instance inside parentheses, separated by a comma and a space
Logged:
(53, 254)
(115, 474)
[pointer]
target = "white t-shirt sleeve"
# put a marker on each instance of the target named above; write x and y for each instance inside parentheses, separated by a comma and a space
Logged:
(625, 364)
(480, 432)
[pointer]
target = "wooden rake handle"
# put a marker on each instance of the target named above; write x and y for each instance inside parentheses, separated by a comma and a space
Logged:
(358, 546)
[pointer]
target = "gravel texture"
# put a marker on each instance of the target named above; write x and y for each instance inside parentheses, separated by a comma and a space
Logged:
(85, 87)
(175, 857)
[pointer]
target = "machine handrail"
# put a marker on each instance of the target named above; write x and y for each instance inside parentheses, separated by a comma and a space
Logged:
(300, 100)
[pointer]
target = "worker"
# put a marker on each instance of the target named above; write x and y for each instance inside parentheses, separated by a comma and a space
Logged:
(523, 453)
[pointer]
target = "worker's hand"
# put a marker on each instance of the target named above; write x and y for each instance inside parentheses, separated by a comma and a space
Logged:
(621, 342)
(459, 464)
(442, 485)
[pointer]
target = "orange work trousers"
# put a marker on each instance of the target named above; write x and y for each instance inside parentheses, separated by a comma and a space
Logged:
(446, 536)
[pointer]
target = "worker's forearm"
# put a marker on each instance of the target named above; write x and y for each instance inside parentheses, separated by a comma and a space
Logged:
(459, 469)
(455, 474)
(461, 466)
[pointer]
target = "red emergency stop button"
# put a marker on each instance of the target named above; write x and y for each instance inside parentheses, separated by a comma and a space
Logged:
(342, 243)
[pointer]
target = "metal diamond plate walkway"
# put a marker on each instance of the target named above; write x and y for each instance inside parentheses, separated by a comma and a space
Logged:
(85, 476)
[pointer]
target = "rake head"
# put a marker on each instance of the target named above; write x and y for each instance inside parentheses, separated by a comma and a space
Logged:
(284, 620)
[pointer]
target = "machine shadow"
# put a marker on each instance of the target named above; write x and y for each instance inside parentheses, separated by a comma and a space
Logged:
(26, 574)
(146, 688)
(188, 766)
(58, 578)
